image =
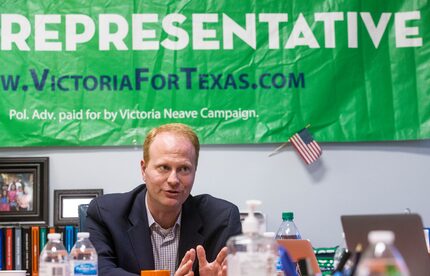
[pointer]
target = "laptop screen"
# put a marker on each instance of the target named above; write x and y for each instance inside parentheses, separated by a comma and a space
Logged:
(408, 231)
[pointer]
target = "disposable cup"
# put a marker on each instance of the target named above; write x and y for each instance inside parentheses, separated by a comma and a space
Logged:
(12, 272)
(155, 273)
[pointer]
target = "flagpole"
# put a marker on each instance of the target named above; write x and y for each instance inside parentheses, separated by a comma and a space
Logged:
(278, 149)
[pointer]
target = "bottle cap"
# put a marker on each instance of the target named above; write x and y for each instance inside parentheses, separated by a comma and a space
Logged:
(83, 235)
(251, 224)
(381, 236)
(287, 216)
(54, 236)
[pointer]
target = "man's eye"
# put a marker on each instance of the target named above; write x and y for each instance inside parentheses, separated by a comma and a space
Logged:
(163, 168)
(184, 170)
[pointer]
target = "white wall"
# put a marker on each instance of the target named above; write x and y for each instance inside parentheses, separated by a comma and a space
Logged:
(350, 178)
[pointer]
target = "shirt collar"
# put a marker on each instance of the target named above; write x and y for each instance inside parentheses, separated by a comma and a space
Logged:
(151, 219)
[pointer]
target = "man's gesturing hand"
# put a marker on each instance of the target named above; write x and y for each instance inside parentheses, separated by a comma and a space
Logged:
(217, 268)
(186, 266)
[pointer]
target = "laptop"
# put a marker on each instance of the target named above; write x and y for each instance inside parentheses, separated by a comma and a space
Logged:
(409, 236)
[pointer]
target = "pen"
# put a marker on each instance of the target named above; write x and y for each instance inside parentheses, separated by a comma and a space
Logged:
(358, 250)
(344, 258)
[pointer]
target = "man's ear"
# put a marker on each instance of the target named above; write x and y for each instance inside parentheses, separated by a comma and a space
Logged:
(143, 168)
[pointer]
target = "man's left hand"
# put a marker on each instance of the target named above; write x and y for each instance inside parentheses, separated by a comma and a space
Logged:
(216, 268)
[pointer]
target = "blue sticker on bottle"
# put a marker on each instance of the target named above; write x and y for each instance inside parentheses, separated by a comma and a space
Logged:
(85, 269)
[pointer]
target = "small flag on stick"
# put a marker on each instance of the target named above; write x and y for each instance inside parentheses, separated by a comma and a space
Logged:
(306, 146)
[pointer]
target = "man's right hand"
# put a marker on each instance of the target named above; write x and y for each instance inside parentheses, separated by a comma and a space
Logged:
(186, 266)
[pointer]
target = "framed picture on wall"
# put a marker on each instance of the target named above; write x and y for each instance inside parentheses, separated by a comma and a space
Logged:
(24, 188)
(66, 204)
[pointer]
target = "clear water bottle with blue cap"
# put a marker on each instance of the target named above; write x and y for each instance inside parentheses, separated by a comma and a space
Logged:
(54, 259)
(83, 256)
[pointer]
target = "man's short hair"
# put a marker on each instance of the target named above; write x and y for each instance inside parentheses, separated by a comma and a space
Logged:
(176, 128)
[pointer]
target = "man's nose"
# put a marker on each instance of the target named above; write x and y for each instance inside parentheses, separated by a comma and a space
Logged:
(173, 178)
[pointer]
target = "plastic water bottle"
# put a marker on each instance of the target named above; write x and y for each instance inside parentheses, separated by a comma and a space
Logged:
(83, 256)
(251, 254)
(288, 229)
(54, 260)
(381, 258)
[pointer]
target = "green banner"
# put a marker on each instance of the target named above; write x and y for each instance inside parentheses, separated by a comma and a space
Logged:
(99, 73)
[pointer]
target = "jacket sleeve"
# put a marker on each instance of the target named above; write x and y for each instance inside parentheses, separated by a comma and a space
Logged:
(228, 225)
(234, 226)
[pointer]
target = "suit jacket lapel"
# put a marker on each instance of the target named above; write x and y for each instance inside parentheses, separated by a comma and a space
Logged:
(139, 234)
(191, 224)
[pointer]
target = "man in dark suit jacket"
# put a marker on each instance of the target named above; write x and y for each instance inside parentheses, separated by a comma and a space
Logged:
(119, 224)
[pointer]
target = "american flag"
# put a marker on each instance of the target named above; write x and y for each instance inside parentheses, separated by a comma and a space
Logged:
(306, 146)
